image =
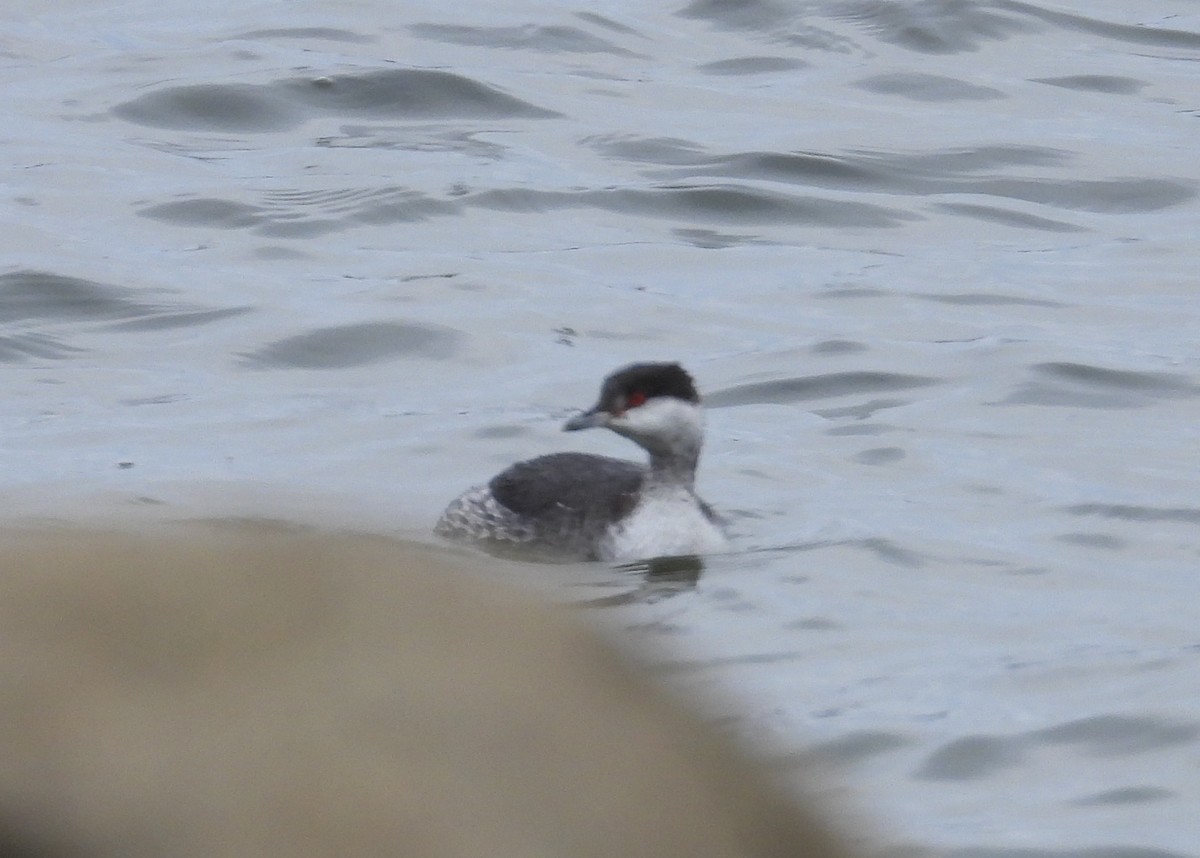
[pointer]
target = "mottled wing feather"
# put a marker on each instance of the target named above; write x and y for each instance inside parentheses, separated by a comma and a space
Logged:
(477, 515)
(561, 503)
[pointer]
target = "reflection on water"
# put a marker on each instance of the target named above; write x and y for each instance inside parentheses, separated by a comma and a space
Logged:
(658, 578)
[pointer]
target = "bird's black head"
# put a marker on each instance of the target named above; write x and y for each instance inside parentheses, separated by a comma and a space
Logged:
(636, 384)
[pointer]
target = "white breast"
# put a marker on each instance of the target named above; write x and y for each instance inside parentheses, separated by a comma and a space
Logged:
(663, 524)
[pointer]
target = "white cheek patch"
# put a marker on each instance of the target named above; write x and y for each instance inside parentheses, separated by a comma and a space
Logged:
(669, 422)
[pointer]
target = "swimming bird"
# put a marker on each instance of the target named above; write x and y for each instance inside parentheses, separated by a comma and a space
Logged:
(583, 506)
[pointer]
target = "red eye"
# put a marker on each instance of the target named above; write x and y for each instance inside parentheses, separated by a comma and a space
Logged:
(635, 399)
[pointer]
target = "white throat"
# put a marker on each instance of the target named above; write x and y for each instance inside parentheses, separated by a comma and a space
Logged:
(671, 431)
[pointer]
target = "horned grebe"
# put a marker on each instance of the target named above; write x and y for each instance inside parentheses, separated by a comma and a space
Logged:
(581, 506)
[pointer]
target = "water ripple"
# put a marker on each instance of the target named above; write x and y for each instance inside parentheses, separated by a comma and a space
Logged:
(990, 299)
(953, 26)
(1066, 384)
(328, 34)
(814, 387)
(1021, 220)
(165, 320)
(1119, 735)
(30, 295)
(407, 93)
(971, 758)
(546, 39)
(20, 347)
(981, 756)
(688, 192)
(1105, 83)
(353, 345)
(933, 26)
(1129, 512)
(1126, 795)
(286, 103)
(1137, 35)
(751, 65)
(300, 214)
(958, 171)
(733, 204)
(211, 107)
(29, 298)
(928, 87)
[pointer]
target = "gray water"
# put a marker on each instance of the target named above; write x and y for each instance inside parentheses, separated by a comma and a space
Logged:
(932, 263)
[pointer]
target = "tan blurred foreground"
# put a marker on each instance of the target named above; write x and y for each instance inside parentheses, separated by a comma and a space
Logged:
(249, 692)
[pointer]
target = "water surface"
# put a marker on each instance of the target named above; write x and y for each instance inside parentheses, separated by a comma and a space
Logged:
(932, 263)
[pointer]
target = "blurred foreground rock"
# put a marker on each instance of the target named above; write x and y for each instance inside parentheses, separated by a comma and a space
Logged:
(249, 693)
